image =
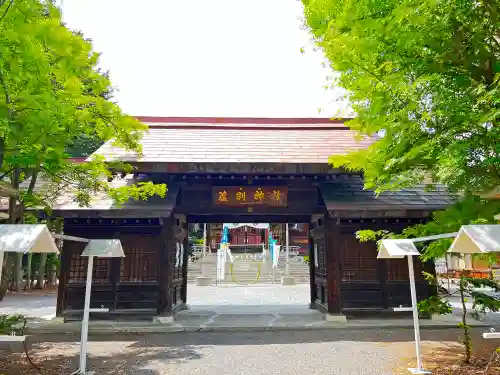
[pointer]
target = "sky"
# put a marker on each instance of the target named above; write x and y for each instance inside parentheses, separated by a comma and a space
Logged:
(223, 58)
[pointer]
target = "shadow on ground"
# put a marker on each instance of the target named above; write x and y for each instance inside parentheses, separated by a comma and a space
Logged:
(115, 358)
(446, 358)
(157, 354)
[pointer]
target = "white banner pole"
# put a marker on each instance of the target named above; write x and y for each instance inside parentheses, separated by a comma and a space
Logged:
(416, 325)
(204, 240)
(287, 245)
(85, 322)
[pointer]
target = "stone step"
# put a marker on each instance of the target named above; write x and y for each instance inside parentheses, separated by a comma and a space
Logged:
(250, 278)
(245, 271)
(292, 271)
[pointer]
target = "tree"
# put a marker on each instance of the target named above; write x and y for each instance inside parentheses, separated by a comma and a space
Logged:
(52, 97)
(423, 77)
(83, 146)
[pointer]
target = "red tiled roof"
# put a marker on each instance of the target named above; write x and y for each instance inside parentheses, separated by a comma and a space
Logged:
(244, 140)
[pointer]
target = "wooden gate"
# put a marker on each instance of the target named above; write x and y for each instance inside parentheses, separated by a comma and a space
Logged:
(119, 284)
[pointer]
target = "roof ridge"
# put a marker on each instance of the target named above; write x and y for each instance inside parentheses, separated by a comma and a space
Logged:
(242, 120)
(240, 126)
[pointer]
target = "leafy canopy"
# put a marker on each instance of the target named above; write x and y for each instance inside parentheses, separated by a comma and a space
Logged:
(52, 99)
(424, 76)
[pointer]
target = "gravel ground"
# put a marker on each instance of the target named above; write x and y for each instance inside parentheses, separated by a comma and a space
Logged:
(254, 353)
(35, 305)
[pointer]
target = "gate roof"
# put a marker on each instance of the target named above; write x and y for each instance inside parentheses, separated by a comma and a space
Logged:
(240, 140)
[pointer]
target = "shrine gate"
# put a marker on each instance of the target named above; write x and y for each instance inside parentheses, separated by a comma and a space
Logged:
(242, 170)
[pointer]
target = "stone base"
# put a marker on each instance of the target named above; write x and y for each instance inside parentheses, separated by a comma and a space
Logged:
(15, 346)
(163, 319)
(287, 280)
(183, 306)
(417, 371)
(57, 319)
(335, 318)
(203, 281)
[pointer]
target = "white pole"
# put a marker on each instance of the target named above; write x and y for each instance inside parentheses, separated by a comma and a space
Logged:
(413, 290)
(85, 322)
(1, 264)
(286, 249)
(204, 240)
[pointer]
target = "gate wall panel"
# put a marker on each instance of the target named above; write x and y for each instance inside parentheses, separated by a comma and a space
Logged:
(118, 283)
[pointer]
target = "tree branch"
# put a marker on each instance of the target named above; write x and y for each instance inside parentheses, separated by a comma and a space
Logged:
(13, 200)
(6, 10)
(9, 113)
(32, 184)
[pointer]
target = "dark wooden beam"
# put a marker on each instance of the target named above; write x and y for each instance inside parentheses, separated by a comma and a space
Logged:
(312, 272)
(238, 218)
(185, 264)
(166, 248)
(236, 168)
(63, 282)
(333, 245)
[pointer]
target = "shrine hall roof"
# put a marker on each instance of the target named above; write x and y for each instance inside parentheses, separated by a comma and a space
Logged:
(347, 192)
(240, 140)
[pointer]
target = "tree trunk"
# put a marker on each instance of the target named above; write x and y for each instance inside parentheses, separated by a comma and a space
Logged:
(53, 276)
(27, 286)
(18, 268)
(18, 272)
(40, 284)
(58, 228)
(8, 273)
(5, 276)
(466, 339)
(34, 268)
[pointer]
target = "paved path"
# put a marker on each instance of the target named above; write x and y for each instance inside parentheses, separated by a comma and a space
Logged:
(248, 299)
(222, 307)
(231, 298)
(251, 353)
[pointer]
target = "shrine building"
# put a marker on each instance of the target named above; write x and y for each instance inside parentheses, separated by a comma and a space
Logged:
(242, 170)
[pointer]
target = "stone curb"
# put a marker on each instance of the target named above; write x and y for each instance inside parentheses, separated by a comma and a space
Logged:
(98, 331)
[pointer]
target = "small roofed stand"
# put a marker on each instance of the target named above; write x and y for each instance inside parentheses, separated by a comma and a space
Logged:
(246, 170)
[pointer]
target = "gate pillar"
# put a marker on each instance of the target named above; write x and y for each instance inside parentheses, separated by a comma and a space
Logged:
(326, 246)
(333, 272)
(165, 270)
(172, 267)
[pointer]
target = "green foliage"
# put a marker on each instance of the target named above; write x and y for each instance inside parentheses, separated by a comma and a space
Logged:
(367, 235)
(486, 303)
(83, 146)
(434, 306)
(470, 210)
(424, 75)
(55, 103)
(425, 78)
(430, 278)
(9, 324)
(471, 283)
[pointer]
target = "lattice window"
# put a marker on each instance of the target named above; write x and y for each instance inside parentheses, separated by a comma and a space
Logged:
(78, 269)
(141, 260)
(397, 269)
(321, 269)
(319, 293)
(358, 261)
